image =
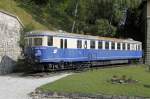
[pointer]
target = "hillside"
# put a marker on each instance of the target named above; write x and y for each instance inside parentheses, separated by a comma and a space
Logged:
(27, 18)
(110, 18)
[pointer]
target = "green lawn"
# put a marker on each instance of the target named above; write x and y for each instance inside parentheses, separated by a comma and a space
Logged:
(96, 82)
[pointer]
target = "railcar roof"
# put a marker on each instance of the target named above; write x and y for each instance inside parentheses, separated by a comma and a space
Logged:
(81, 36)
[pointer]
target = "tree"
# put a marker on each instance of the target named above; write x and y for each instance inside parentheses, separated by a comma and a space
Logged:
(104, 28)
(97, 17)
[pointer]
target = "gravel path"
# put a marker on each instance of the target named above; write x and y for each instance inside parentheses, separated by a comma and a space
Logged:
(15, 86)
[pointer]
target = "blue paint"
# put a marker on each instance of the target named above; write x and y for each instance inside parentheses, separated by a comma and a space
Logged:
(48, 54)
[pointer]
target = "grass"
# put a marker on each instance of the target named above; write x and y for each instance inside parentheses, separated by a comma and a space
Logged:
(96, 82)
(12, 6)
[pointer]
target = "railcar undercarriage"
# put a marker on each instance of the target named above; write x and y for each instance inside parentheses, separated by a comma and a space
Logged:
(50, 67)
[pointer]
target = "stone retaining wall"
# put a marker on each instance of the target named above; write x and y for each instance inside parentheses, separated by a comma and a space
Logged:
(10, 27)
(54, 95)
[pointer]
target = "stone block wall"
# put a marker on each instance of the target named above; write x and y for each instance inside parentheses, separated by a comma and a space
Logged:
(10, 27)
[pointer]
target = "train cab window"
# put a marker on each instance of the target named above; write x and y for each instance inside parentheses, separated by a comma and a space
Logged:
(61, 43)
(30, 41)
(128, 46)
(37, 41)
(100, 45)
(26, 42)
(118, 46)
(50, 41)
(79, 43)
(106, 45)
(123, 46)
(92, 44)
(65, 43)
(113, 45)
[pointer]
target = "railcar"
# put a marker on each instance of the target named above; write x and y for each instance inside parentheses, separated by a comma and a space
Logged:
(55, 49)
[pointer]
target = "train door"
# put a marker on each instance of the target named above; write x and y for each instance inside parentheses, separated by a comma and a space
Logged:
(63, 43)
(63, 47)
(92, 52)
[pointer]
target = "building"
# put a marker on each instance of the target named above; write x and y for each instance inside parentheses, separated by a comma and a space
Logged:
(10, 27)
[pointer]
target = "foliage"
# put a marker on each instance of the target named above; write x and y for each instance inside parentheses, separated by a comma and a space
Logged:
(97, 17)
(105, 28)
(96, 82)
(84, 14)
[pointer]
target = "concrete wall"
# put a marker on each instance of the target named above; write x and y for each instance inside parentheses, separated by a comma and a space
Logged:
(10, 27)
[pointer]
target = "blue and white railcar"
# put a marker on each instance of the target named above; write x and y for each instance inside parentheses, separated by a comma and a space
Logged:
(54, 47)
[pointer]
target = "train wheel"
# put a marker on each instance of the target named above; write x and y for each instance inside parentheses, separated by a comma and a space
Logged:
(46, 66)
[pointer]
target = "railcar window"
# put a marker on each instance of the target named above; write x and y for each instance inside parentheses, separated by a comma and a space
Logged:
(79, 43)
(113, 45)
(37, 41)
(30, 41)
(106, 45)
(123, 46)
(61, 43)
(139, 47)
(118, 46)
(128, 46)
(100, 45)
(50, 41)
(65, 43)
(92, 44)
(26, 42)
(85, 44)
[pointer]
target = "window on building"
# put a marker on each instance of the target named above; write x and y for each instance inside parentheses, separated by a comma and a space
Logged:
(50, 41)
(79, 43)
(128, 46)
(61, 43)
(118, 46)
(106, 45)
(113, 45)
(37, 41)
(65, 43)
(100, 44)
(92, 44)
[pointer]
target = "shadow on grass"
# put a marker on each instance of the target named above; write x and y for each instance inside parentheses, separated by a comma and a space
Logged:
(147, 86)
